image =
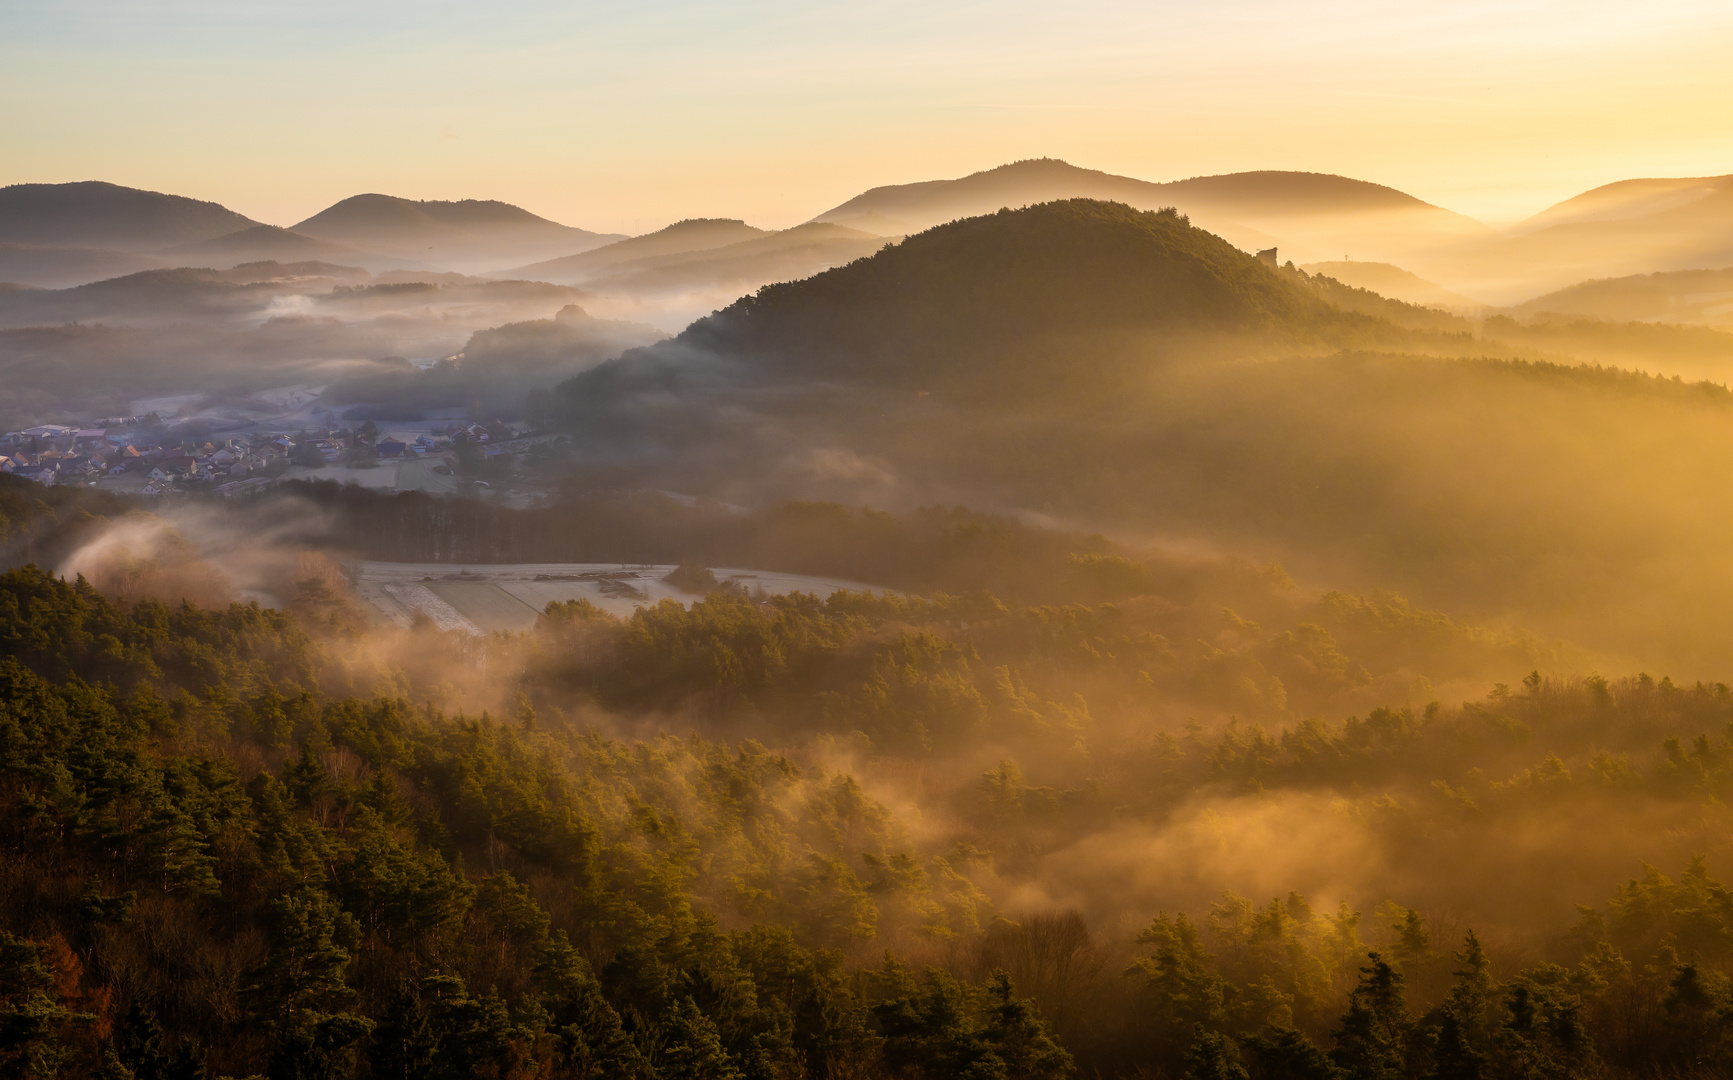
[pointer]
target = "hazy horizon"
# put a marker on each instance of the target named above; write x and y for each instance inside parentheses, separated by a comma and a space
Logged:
(626, 120)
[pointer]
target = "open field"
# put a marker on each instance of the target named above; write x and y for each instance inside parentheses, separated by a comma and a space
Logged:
(486, 598)
(485, 604)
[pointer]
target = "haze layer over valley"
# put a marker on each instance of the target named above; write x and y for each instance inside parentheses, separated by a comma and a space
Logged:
(1033, 625)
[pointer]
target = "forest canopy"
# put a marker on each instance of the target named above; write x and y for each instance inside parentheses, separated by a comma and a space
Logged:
(1195, 821)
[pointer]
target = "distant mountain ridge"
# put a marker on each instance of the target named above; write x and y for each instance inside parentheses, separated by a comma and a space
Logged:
(692, 234)
(1631, 227)
(967, 306)
(468, 235)
(1312, 215)
(96, 214)
(1703, 297)
(1395, 283)
(268, 242)
(1626, 200)
(769, 257)
(57, 267)
(1260, 193)
(57, 235)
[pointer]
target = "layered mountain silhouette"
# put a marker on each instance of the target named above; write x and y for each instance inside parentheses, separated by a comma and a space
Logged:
(680, 238)
(972, 310)
(692, 267)
(1113, 368)
(61, 235)
(93, 214)
(1702, 297)
(50, 267)
(269, 243)
(1622, 229)
(1395, 283)
(1306, 216)
(469, 235)
(182, 295)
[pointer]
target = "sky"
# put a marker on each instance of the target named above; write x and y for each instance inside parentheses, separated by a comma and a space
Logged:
(627, 116)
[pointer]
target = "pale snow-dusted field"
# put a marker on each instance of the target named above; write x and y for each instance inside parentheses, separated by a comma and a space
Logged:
(480, 598)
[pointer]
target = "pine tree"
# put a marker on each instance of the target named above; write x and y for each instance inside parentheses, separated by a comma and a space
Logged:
(1285, 1054)
(1185, 990)
(1018, 1036)
(1473, 987)
(318, 1047)
(593, 1042)
(692, 1047)
(1453, 1055)
(1372, 1042)
(402, 1047)
(32, 1022)
(1214, 1057)
(305, 969)
(180, 852)
(138, 1044)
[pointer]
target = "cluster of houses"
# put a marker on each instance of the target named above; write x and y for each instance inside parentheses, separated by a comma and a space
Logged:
(399, 444)
(57, 454)
(232, 464)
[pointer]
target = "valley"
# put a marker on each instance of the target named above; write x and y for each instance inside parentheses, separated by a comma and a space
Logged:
(1013, 626)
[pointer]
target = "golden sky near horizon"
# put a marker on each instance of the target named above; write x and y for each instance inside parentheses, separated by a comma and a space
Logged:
(624, 117)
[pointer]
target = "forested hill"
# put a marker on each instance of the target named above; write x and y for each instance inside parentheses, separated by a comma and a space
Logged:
(1125, 371)
(980, 299)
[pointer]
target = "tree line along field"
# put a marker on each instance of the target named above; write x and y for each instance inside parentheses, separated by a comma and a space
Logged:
(494, 597)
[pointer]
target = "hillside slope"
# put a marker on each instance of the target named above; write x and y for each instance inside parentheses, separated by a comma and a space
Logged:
(50, 267)
(942, 307)
(1396, 283)
(94, 214)
(268, 242)
(1123, 370)
(744, 266)
(1618, 230)
(1683, 296)
(682, 237)
(467, 235)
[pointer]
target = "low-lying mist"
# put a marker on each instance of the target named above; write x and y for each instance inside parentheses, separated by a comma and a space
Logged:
(1248, 655)
(223, 336)
(965, 781)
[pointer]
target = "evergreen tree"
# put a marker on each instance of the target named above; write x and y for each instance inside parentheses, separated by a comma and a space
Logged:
(319, 1046)
(1018, 1036)
(1285, 1054)
(301, 980)
(691, 1047)
(1472, 989)
(180, 852)
(305, 969)
(1214, 1056)
(1185, 992)
(1699, 1012)
(592, 1041)
(33, 1025)
(1372, 1041)
(928, 1030)
(402, 1046)
(1454, 1056)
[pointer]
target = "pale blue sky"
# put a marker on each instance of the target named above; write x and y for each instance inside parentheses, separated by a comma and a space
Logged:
(627, 116)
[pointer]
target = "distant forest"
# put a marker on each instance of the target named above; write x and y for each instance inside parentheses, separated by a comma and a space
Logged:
(975, 832)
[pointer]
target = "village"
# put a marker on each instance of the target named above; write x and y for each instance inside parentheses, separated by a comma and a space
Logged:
(146, 455)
